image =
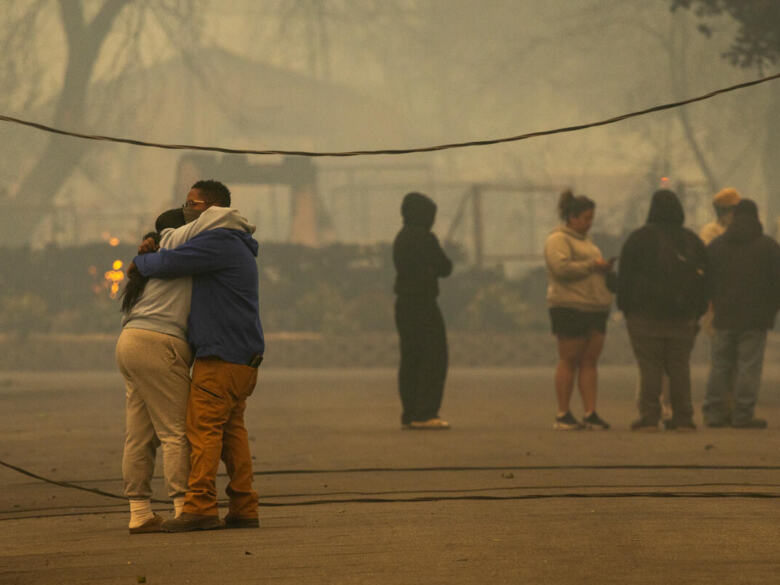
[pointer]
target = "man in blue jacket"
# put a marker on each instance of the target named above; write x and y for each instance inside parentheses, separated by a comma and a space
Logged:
(225, 332)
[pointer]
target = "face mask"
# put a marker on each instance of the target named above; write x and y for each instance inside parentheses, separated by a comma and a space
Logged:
(190, 214)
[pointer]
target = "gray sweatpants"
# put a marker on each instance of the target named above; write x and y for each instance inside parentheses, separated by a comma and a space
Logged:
(156, 368)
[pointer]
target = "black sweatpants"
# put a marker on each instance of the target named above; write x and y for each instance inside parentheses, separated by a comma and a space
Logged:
(423, 368)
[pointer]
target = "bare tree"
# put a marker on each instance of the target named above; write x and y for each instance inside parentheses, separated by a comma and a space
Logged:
(85, 29)
(756, 44)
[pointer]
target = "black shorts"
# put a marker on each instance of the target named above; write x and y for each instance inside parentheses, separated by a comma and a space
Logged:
(576, 323)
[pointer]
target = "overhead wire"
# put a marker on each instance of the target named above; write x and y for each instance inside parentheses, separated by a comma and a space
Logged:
(389, 151)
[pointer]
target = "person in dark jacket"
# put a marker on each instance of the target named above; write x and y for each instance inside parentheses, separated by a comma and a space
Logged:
(227, 338)
(662, 293)
(419, 263)
(745, 284)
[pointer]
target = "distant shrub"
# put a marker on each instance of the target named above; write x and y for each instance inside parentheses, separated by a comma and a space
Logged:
(497, 306)
(24, 313)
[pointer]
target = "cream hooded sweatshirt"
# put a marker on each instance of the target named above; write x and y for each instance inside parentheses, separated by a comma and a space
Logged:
(165, 304)
(573, 281)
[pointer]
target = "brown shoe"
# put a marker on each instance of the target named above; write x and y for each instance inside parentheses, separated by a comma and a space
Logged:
(189, 522)
(644, 426)
(239, 522)
(153, 524)
(432, 424)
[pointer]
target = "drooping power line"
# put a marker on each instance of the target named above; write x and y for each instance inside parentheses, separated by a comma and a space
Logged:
(391, 151)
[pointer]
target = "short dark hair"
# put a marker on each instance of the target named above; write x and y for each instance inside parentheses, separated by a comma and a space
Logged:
(173, 218)
(216, 193)
(570, 205)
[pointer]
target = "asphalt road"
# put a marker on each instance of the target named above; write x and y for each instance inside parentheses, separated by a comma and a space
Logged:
(347, 497)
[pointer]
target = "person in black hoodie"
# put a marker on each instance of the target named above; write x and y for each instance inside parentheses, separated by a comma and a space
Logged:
(662, 291)
(745, 287)
(419, 263)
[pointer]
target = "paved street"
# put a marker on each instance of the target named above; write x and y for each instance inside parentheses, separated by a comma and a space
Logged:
(347, 497)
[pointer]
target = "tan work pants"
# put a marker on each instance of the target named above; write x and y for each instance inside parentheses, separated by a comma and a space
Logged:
(156, 368)
(215, 429)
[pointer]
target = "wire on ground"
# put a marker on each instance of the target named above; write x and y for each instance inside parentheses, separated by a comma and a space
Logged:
(463, 495)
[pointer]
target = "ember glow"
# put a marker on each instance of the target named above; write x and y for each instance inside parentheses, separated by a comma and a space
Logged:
(114, 277)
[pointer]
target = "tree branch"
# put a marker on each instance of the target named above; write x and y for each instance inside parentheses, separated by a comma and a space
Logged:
(104, 19)
(72, 20)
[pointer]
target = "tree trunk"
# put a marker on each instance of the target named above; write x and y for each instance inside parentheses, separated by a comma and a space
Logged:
(29, 203)
(678, 65)
(772, 165)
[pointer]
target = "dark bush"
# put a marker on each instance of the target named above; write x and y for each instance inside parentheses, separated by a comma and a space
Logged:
(338, 289)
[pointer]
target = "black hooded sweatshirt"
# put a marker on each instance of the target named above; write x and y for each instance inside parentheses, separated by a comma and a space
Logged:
(744, 273)
(418, 257)
(651, 283)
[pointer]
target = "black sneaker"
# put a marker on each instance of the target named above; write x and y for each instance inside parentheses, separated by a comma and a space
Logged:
(593, 421)
(567, 422)
(753, 423)
(643, 425)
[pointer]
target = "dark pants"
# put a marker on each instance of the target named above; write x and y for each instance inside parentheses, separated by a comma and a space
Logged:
(658, 354)
(423, 368)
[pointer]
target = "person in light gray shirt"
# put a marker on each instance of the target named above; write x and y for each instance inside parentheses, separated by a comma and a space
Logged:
(154, 358)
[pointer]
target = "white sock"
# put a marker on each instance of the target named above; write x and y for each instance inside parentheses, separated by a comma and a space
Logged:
(140, 512)
(178, 506)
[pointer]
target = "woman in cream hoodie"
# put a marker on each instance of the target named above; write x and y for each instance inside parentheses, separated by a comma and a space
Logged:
(579, 303)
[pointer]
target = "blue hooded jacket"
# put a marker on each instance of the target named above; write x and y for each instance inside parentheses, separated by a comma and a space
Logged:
(224, 316)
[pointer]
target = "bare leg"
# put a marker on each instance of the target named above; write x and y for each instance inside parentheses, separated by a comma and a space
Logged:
(666, 400)
(588, 374)
(570, 350)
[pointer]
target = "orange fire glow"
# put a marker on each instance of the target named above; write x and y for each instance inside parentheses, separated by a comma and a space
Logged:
(114, 276)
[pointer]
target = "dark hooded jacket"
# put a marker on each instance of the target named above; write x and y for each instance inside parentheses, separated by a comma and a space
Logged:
(744, 273)
(662, 269)
(418, 257)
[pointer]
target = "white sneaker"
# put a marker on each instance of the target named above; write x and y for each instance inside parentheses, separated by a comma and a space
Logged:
(432, 424)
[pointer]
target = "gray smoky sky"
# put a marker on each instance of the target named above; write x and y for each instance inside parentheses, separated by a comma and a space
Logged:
(352, 74)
